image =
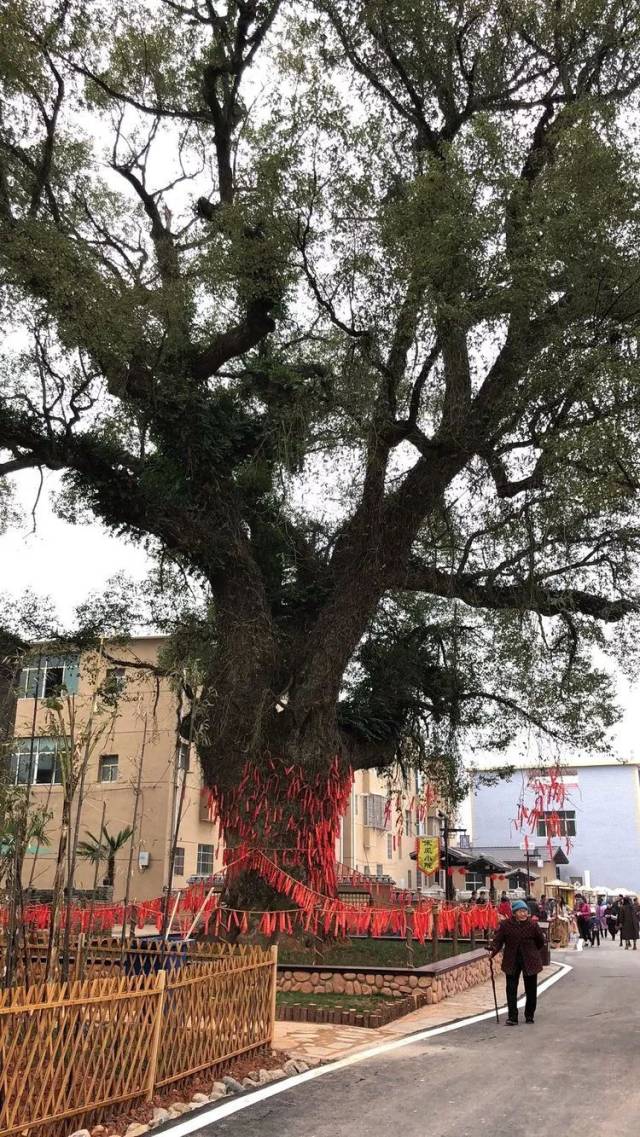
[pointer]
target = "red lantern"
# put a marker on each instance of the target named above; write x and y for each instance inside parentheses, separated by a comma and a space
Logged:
(451, 871)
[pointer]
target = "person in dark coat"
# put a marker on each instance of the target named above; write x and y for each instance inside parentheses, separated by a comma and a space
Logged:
(533, 906)
(523, 944)
(611, 919)
(628, 924)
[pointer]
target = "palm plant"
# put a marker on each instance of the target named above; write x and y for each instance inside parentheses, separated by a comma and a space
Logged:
(104, 848)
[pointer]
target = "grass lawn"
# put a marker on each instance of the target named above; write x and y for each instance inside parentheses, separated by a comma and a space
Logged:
(334, 1002)
(365, 953)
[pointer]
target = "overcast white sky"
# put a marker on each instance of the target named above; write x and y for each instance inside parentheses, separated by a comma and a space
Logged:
(65, 562)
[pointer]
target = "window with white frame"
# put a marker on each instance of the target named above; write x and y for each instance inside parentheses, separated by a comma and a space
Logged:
(204, 865)
(561, 823)
(407, 823)
(114, 684)
(389, 847)
(475, 881)
(378, 870)
(35, 761)
(108, 768)
(373, 810)
(47, 676)
(178, 862)
(409, 879)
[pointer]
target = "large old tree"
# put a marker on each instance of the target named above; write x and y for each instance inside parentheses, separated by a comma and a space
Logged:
(336, 304)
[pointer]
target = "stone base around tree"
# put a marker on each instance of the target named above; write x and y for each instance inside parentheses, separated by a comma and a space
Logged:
(417, 987)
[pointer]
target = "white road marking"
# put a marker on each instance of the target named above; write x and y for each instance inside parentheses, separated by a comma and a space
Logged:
(227, 1108)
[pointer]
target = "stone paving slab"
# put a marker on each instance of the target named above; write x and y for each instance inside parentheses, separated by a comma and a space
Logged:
(326, 1042)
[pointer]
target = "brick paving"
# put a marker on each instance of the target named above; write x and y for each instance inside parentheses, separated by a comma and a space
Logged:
(325, 1042)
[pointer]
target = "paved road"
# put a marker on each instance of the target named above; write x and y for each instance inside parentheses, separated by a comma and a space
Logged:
(574, 1073)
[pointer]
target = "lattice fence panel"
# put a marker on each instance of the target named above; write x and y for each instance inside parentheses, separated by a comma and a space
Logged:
(66, 1049)
(215, 1013)
(102, 957)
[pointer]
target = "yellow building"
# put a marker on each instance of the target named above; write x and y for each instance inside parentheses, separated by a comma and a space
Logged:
(132, 752)
(372, 840)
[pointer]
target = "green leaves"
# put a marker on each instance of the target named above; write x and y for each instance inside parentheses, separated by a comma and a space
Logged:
(304, 299)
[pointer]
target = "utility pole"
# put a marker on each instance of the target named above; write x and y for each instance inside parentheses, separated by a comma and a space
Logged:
(527, 854)
(445, 831)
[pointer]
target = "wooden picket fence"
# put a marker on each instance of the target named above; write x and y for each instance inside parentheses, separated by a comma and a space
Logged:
(72, 1050)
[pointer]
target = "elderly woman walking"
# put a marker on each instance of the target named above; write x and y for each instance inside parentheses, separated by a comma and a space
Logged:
(523, 944)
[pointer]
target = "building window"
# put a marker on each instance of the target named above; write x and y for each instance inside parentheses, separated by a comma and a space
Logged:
(204, 866)
(389, 847)
(178, 862)
(355, 804)
(562, 823)
(433, 827)
(373, 805)
(183, 756)
(378, 870)
(108, 768)
(475, 881)
(114, 684)
(409, 879)
(400, 845)
(206, 807)
(367, 870)
(407, 822)
(49, 677)
(37, 757)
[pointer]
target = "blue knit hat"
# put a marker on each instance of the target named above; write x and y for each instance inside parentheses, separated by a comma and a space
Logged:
(519, 905)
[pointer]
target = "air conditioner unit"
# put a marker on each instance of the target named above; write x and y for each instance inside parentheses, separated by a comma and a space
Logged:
(144, 859)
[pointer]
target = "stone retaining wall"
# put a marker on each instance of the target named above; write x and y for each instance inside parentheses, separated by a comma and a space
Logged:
(436, 981)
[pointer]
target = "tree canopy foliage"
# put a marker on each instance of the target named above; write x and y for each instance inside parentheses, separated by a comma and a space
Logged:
(335, 304)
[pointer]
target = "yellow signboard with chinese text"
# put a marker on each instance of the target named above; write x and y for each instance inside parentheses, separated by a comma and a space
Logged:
(428, 855)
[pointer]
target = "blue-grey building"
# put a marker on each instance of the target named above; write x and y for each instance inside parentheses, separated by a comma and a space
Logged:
(600, 816)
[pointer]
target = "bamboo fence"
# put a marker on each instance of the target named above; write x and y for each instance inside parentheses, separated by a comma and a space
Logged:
(72, 1050)
(100, 957)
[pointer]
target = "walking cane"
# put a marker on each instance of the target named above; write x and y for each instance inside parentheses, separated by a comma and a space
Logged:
(493, 984)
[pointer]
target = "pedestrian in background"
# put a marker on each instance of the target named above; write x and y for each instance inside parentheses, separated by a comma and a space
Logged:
(532, 905)
(504, 907)
(523, 944)
(583, 911)
(629, 925)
